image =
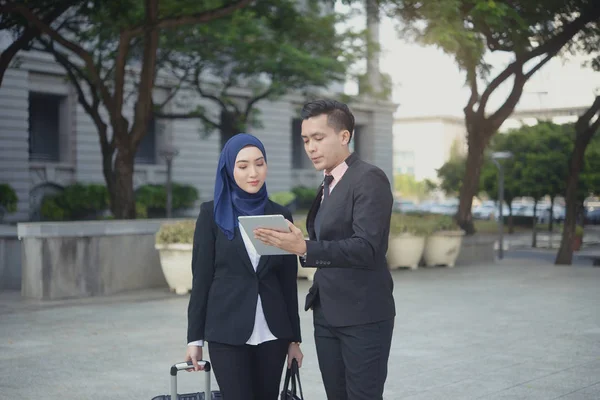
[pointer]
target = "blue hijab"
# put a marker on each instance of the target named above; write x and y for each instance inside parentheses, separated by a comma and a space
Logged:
(230, 200)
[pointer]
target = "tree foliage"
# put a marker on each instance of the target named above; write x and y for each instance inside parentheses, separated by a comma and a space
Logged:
(106, 48)
(585, 129)
(23, 33)
(450, 175)
(539, 162)
(531, 32)
(271, 48)
(539, 165)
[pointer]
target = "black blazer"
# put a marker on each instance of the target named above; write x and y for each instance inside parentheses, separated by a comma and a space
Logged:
(353, 282)
(225, 287)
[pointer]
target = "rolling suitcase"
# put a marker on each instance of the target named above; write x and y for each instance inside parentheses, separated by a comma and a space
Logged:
(214, 395)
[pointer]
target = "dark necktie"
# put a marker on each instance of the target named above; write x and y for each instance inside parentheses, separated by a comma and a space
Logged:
(326, 182)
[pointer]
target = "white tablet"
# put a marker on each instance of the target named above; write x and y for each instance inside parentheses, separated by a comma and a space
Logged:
(275, 222)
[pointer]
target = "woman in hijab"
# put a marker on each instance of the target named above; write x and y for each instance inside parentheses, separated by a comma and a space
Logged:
(244, 305)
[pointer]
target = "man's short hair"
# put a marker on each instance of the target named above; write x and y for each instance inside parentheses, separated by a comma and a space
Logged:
(339, 116)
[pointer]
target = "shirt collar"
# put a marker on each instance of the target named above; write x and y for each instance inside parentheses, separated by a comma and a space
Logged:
(338, 171)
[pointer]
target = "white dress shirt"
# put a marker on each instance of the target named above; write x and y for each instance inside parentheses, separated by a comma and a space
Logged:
(261, 332)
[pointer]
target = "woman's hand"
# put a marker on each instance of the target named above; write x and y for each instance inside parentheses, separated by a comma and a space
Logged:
(194, 353)
(294, 352)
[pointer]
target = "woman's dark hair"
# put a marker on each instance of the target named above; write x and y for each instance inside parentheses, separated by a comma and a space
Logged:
(339, 116)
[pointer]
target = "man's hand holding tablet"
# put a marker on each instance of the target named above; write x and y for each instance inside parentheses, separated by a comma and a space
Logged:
(276, 234)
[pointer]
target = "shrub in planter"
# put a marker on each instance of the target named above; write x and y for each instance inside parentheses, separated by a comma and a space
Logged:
(154, 198)
(76, 202)
(402, 223)
(51, 210)
(141, 211)
(180, 232)
(407, 240)
(8, 199)
(174, 242)
(305, 196)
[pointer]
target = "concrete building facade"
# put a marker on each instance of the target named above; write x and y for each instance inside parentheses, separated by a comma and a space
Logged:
(48, 141)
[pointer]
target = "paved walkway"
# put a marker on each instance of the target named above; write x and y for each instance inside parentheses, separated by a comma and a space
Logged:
(515, 330)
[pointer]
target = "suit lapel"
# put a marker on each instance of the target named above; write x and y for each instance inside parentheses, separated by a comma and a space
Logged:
(312, 213)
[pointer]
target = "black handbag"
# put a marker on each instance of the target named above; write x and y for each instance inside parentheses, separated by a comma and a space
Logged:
(292, 376)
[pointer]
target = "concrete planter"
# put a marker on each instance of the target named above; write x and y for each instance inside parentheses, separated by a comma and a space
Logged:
(92, 258)
(442, 248)
(10, 258)
(176, 264)
(405, 250)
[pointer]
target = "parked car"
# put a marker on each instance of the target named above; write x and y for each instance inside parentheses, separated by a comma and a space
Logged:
(593, 217)
(487, 210)
(405, 206)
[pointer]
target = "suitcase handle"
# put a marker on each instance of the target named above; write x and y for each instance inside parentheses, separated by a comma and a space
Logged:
(187, 365)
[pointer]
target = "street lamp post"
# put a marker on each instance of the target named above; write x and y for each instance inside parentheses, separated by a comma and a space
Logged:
(169, 153)
(500, 155)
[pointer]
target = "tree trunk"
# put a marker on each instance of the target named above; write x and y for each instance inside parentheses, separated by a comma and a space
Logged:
(565, 253)
(580, 213)
(470, 184)
(109, 175)
(124, 196)
(534, 226)
(231, 125)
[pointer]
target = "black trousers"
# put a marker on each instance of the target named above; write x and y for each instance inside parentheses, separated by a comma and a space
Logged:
(249, 372)
(354, 359)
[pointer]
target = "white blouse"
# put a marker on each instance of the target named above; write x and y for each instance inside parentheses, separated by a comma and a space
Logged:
(261, 332)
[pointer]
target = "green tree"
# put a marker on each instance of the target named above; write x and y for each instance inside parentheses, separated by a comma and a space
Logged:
(535, 183)
(586, 128)
(578, 178)
(270, 48)
(99, 44)
(489, 184)
(554, 160)
(590, 176)
(540, 155)
(518, 142)
(531, 32)
(451, 175)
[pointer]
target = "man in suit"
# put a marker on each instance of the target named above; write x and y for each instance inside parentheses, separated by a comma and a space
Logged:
(348, 224)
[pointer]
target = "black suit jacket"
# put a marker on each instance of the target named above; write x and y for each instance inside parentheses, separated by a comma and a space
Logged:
(353, 282)
(225, 287)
